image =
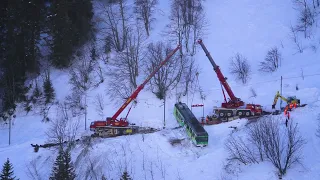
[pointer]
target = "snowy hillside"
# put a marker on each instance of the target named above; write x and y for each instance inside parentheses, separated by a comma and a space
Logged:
(248, 27)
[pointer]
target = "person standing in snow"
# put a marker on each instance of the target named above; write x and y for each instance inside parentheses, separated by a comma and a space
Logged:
(287, 119)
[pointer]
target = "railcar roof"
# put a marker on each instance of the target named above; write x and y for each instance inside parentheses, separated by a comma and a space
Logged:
(191, 120)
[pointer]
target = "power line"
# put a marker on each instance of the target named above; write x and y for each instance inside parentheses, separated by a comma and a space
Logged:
(262, 82)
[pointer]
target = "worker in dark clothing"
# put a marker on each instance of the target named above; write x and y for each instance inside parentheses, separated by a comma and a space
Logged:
(287, 119)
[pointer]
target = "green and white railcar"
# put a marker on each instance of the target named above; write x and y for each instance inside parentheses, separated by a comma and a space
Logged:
(194, 129)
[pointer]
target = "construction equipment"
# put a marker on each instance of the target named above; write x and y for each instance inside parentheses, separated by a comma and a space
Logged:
(234, 106)
(292, 102)
(288, 100)
(114, 127)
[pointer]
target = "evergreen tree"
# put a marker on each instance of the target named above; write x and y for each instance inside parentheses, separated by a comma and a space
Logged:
(70, 27)
(69, 166)
(48, 89)
(36, 92)
(125, 176)
(7, 171)
(63, 168)
(19, 53)
(58, 168)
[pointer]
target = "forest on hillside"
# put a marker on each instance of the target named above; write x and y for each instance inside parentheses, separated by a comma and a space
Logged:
(39, 35)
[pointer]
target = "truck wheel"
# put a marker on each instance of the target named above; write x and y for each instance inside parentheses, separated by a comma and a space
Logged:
(239, 113)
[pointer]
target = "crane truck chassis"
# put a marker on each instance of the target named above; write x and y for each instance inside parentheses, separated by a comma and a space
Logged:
(112, 126)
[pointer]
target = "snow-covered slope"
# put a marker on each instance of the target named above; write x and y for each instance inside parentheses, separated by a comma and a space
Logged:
(249, 27)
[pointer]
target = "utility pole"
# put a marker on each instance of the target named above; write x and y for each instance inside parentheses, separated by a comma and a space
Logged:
(203, 110)
(281, 94)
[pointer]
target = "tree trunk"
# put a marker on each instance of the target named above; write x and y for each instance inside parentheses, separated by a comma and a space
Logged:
(164, 112)
(124, 35)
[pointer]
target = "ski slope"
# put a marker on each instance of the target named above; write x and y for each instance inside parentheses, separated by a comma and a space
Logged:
(249, 27)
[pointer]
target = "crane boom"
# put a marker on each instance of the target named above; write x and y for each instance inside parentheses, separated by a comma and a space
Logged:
(140, 87)
(234, 101)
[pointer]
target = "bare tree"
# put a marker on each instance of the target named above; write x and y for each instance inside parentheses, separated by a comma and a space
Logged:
(124, 69)
(189, 75)
(144, 10)
(282, 150)
(271, 61)
(296, 41)
(33, 170)
(74, 102)
(93, 171)
(187, 24)
(253, 92)
(63, 129)
(117, 21)
(84, 76)
(240, 68)
(274, 142)
(255, 136)
(99, 103)
(85, 73)
(306, 17)
(169, 75)
(240, 151)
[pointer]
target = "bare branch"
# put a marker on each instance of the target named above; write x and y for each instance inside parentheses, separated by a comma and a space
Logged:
(124, 69)
(187, 23)
(273, 141)
(100, 104)
(253, 93)
(144, 10)
(117, 20)
(33, 170)
(240, 151)
(271, 61)
(83, 74)
(307, 16)
(62, 129)
(169, 75)
(240, 68)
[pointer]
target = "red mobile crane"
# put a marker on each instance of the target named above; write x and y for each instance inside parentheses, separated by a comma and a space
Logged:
(235, 106)
(114, 127)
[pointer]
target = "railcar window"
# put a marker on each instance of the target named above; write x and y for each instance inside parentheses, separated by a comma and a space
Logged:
(202, 139)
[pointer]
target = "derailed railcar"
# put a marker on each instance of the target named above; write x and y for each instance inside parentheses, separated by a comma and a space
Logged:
(186, 118)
